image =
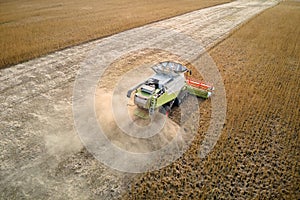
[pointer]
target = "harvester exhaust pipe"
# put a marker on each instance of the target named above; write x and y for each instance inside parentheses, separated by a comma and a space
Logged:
(134, 88)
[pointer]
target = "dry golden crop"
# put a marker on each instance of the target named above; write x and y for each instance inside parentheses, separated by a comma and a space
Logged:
(257, 155)
(32, 28)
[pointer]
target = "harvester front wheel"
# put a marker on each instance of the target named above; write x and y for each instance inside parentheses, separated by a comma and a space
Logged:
(166, 109)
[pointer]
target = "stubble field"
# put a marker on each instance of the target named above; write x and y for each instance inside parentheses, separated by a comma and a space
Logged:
(29, 29)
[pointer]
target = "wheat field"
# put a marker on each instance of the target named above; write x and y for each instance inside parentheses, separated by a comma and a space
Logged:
(257, 155)
(32, 28)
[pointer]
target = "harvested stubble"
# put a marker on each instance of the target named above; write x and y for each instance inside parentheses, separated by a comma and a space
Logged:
(32, 28)
(257, 155)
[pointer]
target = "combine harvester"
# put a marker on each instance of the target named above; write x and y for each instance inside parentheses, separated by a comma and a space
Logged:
(167, 87)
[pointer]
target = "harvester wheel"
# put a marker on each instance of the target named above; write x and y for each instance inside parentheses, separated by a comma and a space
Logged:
(166, 109)
(180, 98)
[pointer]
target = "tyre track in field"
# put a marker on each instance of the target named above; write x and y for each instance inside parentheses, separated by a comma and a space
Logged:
(36, 101)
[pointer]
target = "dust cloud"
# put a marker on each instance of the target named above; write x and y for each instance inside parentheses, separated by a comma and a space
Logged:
(105, 115)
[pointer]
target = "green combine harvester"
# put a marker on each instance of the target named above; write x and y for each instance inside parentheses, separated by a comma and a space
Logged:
(167, 87)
